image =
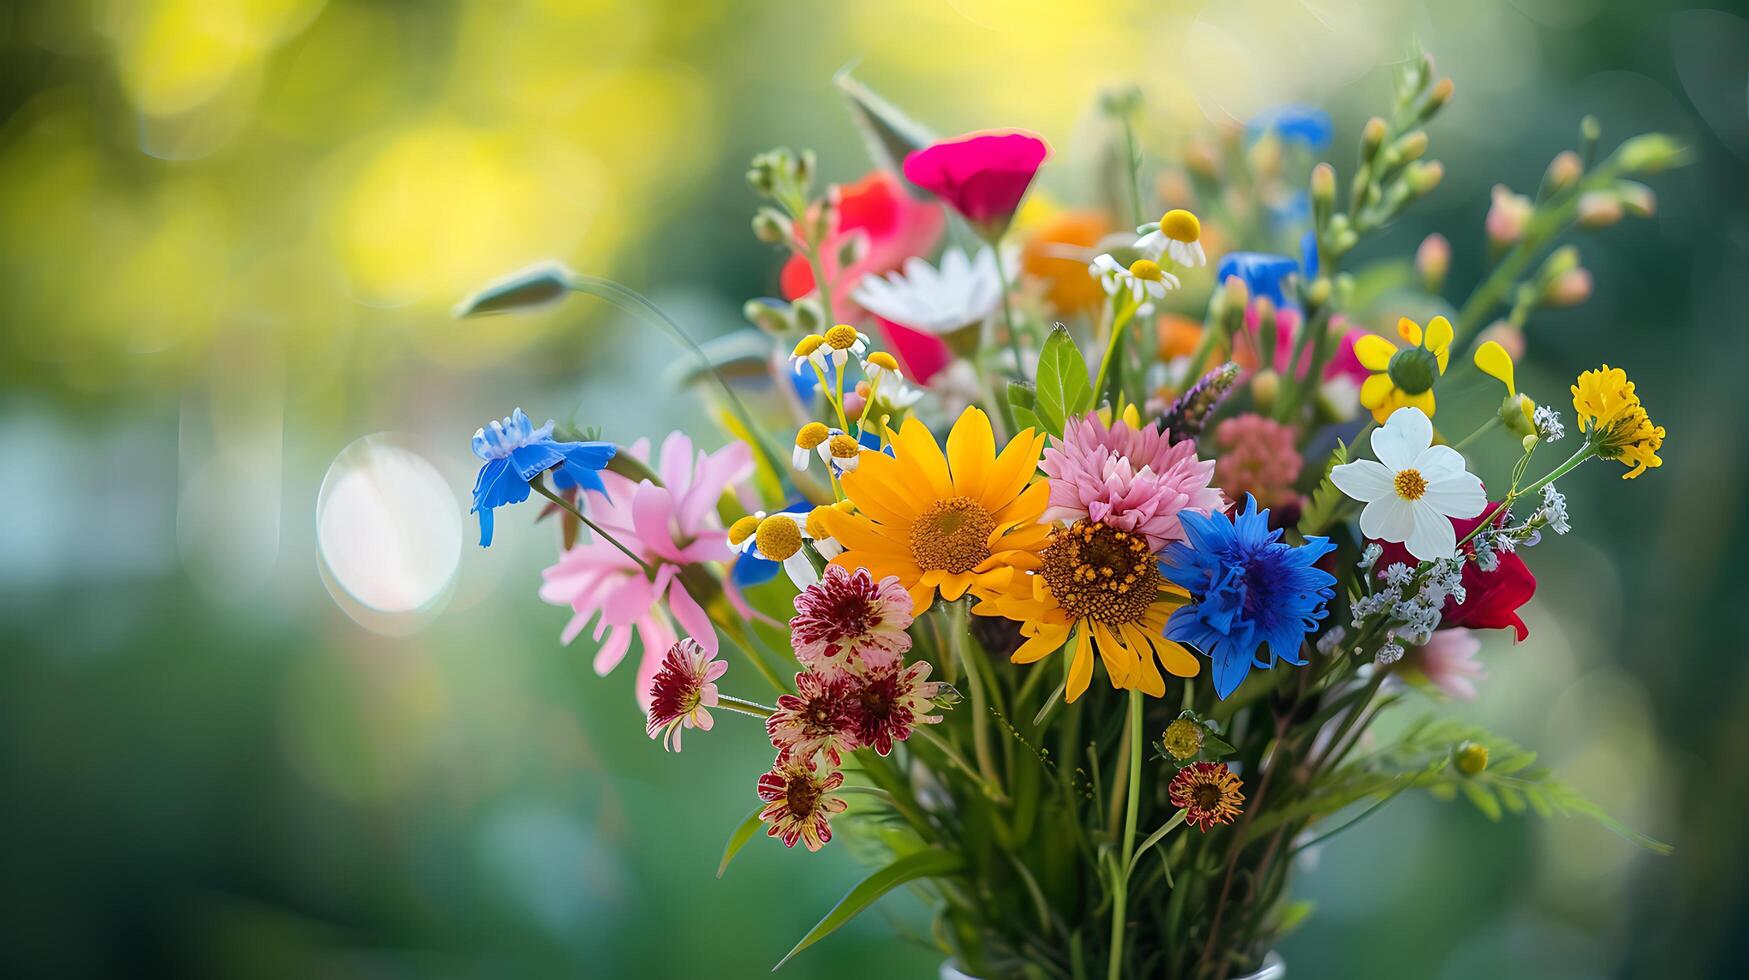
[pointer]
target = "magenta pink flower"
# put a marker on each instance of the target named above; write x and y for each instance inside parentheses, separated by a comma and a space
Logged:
(684, 686)
(1130, 479)
(879, 224)
(1448, 660)
(669, 527)
(885, 706)
(983, 176)
(849, 622)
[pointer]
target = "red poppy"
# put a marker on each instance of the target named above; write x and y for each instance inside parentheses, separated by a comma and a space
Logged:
(982, 176)
(1491, 599)
(884, 225)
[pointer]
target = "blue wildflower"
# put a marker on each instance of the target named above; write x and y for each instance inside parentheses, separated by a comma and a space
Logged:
(1305, 125)
(1255, 598)
(1261, 272)
(516, 452)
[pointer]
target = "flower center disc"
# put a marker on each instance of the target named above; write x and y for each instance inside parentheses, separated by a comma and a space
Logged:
(1410, 484)
(953, 535)
(1146, 269)
(802, 795)
(1101, 573)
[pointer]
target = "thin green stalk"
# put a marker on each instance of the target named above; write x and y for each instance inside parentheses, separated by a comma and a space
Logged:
(1126, 312)
(1008, 310)
(1120, 894)
(981, 747)
(540, 486)
(743, 706)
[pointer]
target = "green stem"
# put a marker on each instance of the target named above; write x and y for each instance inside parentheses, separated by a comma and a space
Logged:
(540, 486)
(1126, 312)
(1133, 162)
(956, 634)
(1008, 310)
(1120, 894)
(744, 706)
(1485, 427)
(1585, 452)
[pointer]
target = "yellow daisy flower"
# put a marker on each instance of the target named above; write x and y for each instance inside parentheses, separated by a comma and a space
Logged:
(1103, 586)
(1403, 377)
(964, 521)
(1614, 421)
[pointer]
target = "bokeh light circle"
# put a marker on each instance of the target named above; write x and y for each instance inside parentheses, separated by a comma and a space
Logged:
(388, 534)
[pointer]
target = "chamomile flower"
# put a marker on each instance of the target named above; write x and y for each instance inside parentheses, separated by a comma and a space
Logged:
(843, 342)
(808, 439)
(809, 350)
(1144, 280)
(766, 540)
(1414, 489)
(1176, 235)
(881, 365)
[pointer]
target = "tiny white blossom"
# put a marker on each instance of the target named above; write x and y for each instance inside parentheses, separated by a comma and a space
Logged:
(1548, 424)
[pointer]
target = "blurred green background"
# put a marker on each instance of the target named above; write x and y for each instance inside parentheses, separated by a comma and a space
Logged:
(230, 235)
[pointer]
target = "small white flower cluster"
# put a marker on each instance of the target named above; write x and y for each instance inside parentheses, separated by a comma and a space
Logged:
(1553, 513)
(1414, 610)
(1390, 652)
(1548, 424)
(1332, 639)
(1370, 556)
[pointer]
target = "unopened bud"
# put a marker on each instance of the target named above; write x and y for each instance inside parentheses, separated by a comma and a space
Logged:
(1470, 757)
(1599, 209)
(808, 315)
(527, 289)
(1411, 147)
(804, 168)
(1424, 176)
(1561, 261)
(1516, 411)
(1371, 138)
(1437, 98)
(1564, 171)
(1433, 261)
(1507, 216)
(1265, 386)
(1323, 193)
(1651, 153)
(770, 226)
(1318, 293)
(1236, 293)
(1637, 198)
(769, 315)
(1570, 288)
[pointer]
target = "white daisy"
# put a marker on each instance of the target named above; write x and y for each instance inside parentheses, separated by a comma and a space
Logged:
(1144, 280)
(1414, 489)
(778, 537)
(898, 395)
(1178, 234)
(962, 293)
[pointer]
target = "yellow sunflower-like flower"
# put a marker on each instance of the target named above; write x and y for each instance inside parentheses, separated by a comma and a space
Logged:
(959, 522)
(1101, 586)
(1614, 421)
(1403, 377)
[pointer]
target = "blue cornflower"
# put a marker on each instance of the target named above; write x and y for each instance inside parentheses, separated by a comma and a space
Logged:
(1255, 598)
(1261, 272)
(516, 452)
(1306, 125)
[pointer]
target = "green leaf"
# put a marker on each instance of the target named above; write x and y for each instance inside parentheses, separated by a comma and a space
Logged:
(1063, 389)
(1022, 394)
(1025, 419)
(930, 863)
(739, 838)
(1325, 505)
(887, 132)
(525, 289)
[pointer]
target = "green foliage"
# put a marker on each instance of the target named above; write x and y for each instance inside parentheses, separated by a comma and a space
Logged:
(739, 839)
(923, 864)
(1063, 389)
(1326, 504)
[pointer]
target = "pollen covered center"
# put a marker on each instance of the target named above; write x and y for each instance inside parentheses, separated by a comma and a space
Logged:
(802, 795)
(953, 535)
(1410, 484)
(1181, 225)
(1147, 270)
(779, 537)
(1099, 572)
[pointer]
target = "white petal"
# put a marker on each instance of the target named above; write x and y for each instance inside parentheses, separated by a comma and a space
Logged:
(1363, 479)
(1438, 462)
(1457, 494)
(1388, 519)
(801, 570)
(1402, 437)
(1433, 536)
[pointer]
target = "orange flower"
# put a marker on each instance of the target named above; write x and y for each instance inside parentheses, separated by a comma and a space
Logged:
(1053, 254)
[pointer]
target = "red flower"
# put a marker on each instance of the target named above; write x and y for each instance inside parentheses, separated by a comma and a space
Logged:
(982, 176)
(888, 227)
(1491, 599)
(1208, 793)
(816, 719)
(884, 706)
(799, 804)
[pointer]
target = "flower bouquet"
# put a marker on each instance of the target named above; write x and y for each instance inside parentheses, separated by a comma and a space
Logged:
(1087, 570)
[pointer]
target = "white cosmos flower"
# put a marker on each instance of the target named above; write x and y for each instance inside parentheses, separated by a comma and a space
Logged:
(1143, 279)
(1414, 489)
(962, 292)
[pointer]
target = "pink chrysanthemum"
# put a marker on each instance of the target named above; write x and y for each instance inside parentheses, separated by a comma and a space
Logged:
(1258, 457)
(684, 686)
(813, 721)
(669, 527)
(885, 705)
(1130, 479)
(1448, 660)
(799, 804)
(848, 621)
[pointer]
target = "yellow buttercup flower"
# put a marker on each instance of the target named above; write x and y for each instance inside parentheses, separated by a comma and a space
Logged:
(1614, 422)
(1517, 411)
(1102, 586)
(953, 523)
(1404, 377)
